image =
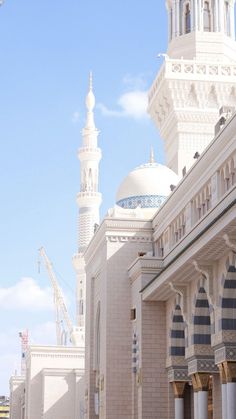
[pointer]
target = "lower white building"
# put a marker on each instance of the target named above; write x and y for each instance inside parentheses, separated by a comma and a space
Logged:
(53, 386)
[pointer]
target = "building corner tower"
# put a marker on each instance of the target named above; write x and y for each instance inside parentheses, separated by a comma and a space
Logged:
(89, 201)
(196, 79)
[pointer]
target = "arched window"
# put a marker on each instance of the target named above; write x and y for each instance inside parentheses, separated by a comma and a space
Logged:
(206, 17)
(227, 18)
(187, 19)
(97, 339)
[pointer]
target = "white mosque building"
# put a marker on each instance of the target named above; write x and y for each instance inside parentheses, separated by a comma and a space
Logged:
(156, 279)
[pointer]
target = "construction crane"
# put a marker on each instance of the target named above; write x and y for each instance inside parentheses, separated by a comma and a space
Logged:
(60, 307)
(24, 337)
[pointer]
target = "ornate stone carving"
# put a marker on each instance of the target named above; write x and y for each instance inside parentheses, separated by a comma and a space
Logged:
(230, 371)
(178, 387)
(198, 365)
(178, 374)
(200, 382)
(222, 374)
(225, 353)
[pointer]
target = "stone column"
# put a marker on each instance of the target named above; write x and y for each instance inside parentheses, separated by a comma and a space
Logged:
(216, 17)
(223, 390)
(177, 18)
(221, 16)
(179, 387)
(230, 372)
(200, 383)
(195, 400)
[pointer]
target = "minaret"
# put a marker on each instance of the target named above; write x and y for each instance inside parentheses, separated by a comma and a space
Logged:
(196, 79)
(89, 201)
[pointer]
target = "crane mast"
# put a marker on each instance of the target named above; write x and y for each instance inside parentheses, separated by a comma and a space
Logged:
(59, 304)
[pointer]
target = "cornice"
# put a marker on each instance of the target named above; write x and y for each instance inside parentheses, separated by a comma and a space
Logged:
(57, 372)
(205, 167)
(118, 230)
(144, 265)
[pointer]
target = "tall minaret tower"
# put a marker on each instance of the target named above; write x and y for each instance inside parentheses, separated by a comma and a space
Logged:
(196, 79)
(89, 201)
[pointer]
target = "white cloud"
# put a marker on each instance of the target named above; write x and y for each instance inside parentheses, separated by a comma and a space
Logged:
(131, 104)
(26, 295)
(137, 82)
(75, 117)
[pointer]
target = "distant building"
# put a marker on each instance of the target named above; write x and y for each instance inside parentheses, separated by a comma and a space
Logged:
(4, 407)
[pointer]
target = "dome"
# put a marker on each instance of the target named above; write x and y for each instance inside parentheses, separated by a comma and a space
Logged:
(146, 186)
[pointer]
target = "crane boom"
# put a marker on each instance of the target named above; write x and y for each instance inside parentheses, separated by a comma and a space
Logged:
(59, 302)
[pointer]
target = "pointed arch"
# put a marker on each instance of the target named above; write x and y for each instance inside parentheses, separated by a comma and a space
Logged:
(201, 319)
(228, 302)
(97, 340)
(177, 333)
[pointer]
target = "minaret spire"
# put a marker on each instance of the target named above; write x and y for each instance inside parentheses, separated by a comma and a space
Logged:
(152, 157)
(88, 199)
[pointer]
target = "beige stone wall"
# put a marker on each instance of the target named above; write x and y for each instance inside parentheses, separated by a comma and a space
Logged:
(118, 382)
(154, 376)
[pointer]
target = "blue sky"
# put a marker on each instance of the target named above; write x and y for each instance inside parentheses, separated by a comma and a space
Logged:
(47, 51)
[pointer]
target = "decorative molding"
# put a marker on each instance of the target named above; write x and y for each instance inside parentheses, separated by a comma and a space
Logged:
(182, 291)
(130, 239)
(201, 365)
(146, 201)
(206, 270)
(225, 353)
(200, 381)
(179, 387)
(178, 374)
(230, 243)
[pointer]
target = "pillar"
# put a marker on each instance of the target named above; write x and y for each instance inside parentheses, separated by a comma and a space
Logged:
(177, 19)
(221, 17)
(200, 386)
(203, 404)
(195, 401)
(223, 390)
(179, 387)
(230, 373)
(216, 17)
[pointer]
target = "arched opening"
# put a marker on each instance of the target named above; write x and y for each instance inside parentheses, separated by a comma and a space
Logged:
(187, 18)
(90, 180)
(177, 334)
(228, 303)
(97, 340)
(202, 319)
(206, 17)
